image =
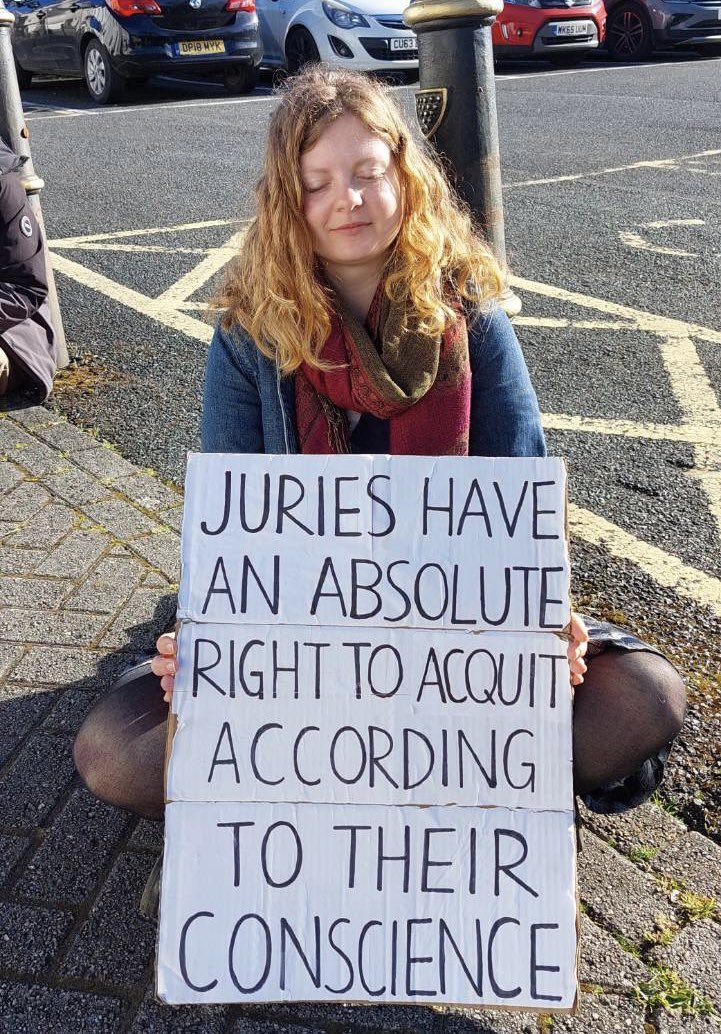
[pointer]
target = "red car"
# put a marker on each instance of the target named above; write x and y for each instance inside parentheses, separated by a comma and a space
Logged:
(562, 31)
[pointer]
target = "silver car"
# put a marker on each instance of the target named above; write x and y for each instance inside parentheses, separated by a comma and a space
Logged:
(635, 28)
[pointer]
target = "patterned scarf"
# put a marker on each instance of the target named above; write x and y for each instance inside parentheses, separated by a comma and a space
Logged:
(421, 385)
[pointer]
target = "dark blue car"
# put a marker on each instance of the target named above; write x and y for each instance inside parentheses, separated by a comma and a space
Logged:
(113, 42)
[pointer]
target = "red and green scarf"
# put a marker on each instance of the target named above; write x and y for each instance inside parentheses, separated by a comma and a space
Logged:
(420, 385)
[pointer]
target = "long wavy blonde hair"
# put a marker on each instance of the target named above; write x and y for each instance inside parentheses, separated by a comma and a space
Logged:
(272, 288)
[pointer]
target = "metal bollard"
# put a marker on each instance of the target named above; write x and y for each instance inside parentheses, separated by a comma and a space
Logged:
(456, 108)
(12, 125)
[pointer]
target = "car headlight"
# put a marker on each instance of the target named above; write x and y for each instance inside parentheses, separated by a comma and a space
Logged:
(524, 3)
(343, 18)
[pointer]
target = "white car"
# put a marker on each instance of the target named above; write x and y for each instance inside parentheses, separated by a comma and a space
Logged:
(367, 35)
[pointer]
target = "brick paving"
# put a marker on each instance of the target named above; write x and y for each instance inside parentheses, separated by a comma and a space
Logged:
(89, 563)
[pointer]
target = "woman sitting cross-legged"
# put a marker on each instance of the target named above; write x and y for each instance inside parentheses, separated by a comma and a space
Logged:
(361, 316)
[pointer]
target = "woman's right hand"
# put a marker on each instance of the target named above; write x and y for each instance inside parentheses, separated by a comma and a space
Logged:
(164, 663)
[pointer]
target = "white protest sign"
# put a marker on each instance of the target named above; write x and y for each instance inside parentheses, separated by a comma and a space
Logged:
(370, 785)
(380, 716)
(306, 902)
(390, 541)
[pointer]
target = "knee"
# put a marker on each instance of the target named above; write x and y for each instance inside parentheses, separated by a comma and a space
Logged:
(91, 761)
(663, 688)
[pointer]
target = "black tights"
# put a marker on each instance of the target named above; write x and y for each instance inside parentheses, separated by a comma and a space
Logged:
(630, 705)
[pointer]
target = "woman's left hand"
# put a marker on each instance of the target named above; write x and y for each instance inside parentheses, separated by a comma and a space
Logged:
(577, 649)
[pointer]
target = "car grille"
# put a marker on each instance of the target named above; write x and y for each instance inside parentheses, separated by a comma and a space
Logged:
(379, 49)
(565, 3)
(188, 21)
(391, 21)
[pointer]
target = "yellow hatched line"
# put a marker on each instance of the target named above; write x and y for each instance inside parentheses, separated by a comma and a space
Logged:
(642, 320)
(164, 314)
(663, 567)
(691, 433)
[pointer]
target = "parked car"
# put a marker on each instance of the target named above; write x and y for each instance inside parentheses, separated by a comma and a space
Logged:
(635, 28)
(562, 31)
(366, 35)
(112, 42)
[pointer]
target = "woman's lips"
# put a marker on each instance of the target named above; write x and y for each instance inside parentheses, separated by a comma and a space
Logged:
(349, 227)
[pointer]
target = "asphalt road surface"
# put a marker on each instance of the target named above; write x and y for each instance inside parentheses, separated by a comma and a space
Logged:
(613, 215)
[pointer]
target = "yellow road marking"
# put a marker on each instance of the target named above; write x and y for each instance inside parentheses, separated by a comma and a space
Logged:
(195, 278)
(642, 320)
(693, 434)
(664, 568)
(639, 243)
(559, 322)
(165, 314)
(658, 163)
(71, 242)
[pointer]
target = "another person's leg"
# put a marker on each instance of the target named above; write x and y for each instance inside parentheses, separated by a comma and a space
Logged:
(627, 711)
(120, 749)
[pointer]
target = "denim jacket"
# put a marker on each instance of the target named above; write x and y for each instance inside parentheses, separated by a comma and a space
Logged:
(249, 407)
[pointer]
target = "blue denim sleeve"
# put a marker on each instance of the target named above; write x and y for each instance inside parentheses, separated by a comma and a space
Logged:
(231, 420)
(505, 419)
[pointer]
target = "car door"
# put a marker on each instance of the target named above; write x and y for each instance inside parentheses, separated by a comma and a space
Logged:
(64, 28)
(273, 17)
(29, 37)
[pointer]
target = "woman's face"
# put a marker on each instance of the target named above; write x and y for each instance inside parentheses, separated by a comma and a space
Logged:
(351, 195)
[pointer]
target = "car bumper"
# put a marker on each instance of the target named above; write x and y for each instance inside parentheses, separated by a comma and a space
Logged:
(372, 47)
(154, 57)
(551, 37)
(679, 24)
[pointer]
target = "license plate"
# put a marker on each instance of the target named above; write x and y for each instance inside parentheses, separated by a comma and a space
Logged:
(572, 29)
(202, 46)
(404, 43)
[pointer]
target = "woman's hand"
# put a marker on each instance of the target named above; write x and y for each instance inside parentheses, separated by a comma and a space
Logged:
(577, 649)
(164, 663)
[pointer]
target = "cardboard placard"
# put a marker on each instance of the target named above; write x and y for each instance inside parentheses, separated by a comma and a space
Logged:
(370, 785)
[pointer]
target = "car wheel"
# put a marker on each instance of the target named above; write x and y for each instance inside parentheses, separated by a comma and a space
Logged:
(300, 49)
(628, 33)
(104, 84)
(242, 79)
(24, 78)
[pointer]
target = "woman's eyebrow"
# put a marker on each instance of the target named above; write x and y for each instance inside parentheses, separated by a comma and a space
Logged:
(319, 170)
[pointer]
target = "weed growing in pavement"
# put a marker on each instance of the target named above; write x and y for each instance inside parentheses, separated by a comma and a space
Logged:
(642, 854)
(628, 946)
(695, 907)
(665, 989)
(663, 932)
(545, 1022)
(666, 803)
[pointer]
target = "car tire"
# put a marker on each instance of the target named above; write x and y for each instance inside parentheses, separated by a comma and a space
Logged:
(242, 79)
(300, 49)
(628, 33)
(104, 84)
(24, 78)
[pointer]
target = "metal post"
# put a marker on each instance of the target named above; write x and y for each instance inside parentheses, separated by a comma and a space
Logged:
(12, 126)
(456, 107)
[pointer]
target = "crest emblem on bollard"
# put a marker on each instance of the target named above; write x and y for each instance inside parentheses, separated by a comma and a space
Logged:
(195, 4)
(430, 109)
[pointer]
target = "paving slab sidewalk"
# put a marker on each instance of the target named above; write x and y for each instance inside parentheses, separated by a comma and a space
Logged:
(89, 564)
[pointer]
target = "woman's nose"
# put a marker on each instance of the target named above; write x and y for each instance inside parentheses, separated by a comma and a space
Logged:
(349, 196)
